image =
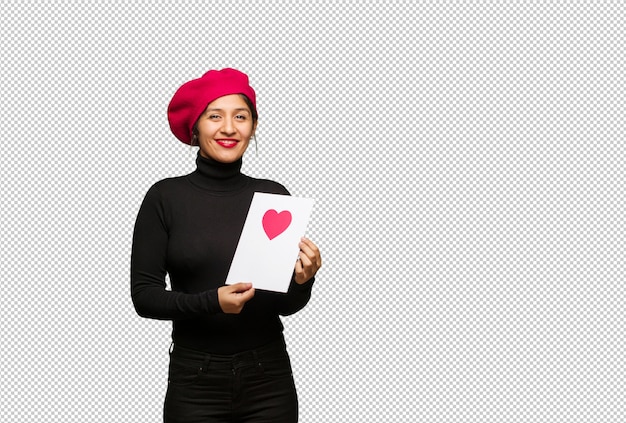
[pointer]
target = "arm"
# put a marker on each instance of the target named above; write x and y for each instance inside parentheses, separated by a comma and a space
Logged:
(296, 297)
(148, 269)
(307, 265)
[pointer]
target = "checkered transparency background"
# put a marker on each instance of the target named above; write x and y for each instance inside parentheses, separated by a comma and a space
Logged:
(467, 161)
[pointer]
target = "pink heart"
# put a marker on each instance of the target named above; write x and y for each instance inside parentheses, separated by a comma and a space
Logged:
(275, 223)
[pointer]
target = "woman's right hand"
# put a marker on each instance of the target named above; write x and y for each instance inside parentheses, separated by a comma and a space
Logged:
(232, 298)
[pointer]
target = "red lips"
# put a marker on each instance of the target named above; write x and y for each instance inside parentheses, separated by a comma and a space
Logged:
(227, 143)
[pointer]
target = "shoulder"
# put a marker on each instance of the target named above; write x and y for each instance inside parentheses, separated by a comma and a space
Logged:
(268, 186)
(170, 183)
(166, 187)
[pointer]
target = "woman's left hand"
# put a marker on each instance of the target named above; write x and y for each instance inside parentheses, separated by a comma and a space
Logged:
(308, 262)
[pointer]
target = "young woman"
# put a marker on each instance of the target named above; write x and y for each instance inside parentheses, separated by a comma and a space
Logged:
(228, 361)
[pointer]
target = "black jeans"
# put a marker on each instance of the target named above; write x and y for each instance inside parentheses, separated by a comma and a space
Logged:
(252, 386)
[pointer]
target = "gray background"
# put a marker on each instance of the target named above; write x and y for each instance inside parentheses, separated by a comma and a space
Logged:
(467, 161)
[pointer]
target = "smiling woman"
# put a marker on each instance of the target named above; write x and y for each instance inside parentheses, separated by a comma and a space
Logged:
(229, 360)
(224, 130)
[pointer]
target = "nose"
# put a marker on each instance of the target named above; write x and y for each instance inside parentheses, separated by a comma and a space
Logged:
(228, 127)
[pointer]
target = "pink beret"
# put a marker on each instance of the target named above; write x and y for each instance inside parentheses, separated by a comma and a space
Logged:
(192, 98)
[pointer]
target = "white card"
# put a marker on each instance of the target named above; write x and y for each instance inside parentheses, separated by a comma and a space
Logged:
(268, 247)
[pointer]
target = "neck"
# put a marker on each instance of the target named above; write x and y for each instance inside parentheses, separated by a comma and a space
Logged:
(217, 176)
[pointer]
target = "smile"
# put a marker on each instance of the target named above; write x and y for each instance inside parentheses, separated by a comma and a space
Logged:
(227, 143)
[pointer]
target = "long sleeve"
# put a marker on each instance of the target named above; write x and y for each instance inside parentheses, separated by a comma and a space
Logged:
(296, 297)
(148, 270)
(187, 230)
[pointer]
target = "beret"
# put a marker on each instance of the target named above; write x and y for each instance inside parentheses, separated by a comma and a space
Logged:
(192, 98)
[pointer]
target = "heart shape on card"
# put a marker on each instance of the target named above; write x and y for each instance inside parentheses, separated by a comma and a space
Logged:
(275, 223)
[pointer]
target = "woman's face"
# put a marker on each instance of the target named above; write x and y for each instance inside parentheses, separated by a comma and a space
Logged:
(225, 129)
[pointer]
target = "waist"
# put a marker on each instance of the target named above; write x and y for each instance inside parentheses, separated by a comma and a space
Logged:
(227, 334)
(272, 350)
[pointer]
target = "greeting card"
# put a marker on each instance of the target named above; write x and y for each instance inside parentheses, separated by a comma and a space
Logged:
(268, 247)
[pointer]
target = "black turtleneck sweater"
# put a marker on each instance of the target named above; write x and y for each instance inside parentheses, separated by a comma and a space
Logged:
(189, 227)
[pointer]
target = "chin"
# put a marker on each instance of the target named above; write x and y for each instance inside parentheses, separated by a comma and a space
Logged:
(222, 157)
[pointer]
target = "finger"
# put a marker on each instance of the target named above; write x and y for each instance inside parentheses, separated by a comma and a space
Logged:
(240, 287)
(247, 295)
(310, 244)
(308, 254)
(300, 272)
(312, 259)
(298, 265)
(311, 251)
(305, 260)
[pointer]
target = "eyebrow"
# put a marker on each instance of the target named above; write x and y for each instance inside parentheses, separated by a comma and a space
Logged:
(239, 109)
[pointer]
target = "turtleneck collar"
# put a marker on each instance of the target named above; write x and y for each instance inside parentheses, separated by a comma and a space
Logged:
(217, 176)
